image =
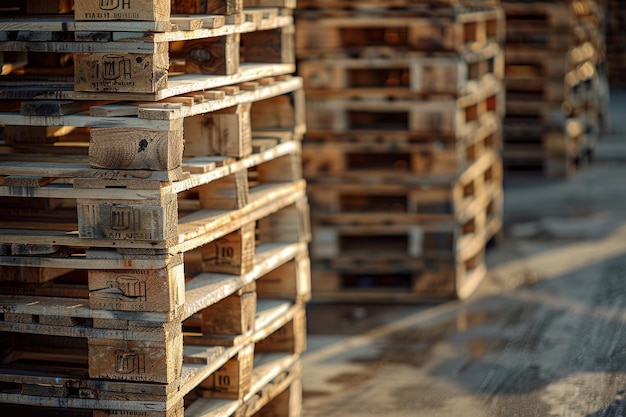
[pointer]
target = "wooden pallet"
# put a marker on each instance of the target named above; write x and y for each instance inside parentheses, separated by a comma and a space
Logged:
(357, 36)
(279, 397)
(150, 136)
(393, 279)
(215, 377)
(393, 200)
(153, 281)
(452, 214)
(562, 152)
(153, 216)
(132, 297)
(410, 73)
(554, 26)
(580, 94)
(525, 61)
(340, 159)
(105, 63)
(446, 117)
(530, 161)
(366, 282)
(548, 115)
(549, 16)
(568, 67)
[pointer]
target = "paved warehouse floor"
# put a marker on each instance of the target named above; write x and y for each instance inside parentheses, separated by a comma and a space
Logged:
(543, 335)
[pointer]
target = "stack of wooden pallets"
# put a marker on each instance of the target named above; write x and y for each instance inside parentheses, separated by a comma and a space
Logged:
(556, 85)
(401, 155)
(154, 222)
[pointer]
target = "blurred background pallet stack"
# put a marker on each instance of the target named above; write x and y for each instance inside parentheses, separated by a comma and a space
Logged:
(153, 216)
(556, 85)
(404, 104)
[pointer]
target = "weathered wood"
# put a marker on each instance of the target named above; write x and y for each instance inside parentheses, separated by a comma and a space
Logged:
(276, 45)
(30, 274)
(53, 107)
(138, 360)
(231, 254)
(232, 316)
(234, 379)
(151, 10)
(127, 72)
(401, 161)
(158, 290)
(223, 132)
(129, 220)
(121, 148)
(228, 193)
(216, 56)
(291, 338)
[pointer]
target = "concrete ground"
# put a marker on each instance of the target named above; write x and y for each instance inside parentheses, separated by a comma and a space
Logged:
(544, 334)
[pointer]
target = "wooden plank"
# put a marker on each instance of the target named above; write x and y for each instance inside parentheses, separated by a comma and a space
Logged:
(53, 108)
(196, 22)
